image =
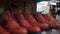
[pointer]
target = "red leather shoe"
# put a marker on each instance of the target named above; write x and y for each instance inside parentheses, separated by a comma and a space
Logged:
(3, 31)
(25, 23)
(12, 25)
(52, 19)
(33, 21)
(45, 19)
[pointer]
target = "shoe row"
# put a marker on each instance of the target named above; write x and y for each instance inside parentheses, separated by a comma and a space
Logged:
(18, 22)
(21, 26)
